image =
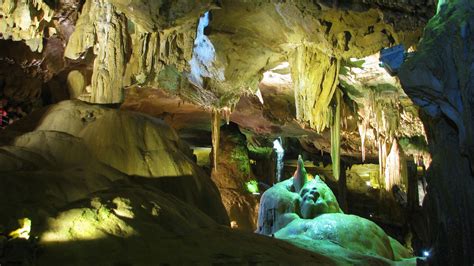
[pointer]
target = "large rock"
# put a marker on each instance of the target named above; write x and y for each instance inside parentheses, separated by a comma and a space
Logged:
(310, 217)
(231, 176)
(439, 79)
(339, 228)
(73, 134)
(281, 204)
(75, 208)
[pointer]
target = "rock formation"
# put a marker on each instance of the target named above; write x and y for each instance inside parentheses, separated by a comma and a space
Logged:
(151, 78)
(438, 79)
(312, 216)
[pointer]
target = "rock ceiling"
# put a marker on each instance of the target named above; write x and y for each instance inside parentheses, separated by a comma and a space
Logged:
(272, 67)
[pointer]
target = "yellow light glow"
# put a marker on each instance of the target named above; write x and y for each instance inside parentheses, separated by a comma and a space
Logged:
(23, 231)
(86, 224)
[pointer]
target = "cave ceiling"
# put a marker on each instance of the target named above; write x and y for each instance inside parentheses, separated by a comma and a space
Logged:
(272, 67)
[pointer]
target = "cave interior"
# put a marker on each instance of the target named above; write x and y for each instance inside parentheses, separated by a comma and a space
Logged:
(235, 132)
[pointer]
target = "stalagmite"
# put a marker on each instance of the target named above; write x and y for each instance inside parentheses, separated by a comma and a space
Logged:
(382, 145)
(336, 136)
(300, 177)
(216, 128)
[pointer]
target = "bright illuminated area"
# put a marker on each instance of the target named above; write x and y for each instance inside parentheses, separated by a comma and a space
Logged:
(90, 224)
(279, 158)
(23, 231)
(236, 132)
(278, 76)
(252, 186)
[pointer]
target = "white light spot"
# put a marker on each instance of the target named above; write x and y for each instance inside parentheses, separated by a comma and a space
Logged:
(204, 56)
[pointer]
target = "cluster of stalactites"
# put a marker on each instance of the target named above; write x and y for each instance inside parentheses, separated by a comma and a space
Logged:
(25, 20)
(386, 124)
(127, 52)
(104, 29)
(395, 171)
(315, 75)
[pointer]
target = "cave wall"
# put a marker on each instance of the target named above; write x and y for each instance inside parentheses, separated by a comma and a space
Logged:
(439, 79)
(231, 175)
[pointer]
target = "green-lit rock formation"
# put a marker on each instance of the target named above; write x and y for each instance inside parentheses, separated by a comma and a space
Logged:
(311, 218)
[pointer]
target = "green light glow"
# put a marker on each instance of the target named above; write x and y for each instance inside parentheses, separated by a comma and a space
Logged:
(252, 186)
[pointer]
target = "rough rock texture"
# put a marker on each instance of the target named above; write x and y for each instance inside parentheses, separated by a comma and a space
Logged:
(104, 29)
(75, 134)
(133, 42)
(153, 44)
(82, 212)
(147, 48)
(26, 21)
(81, 208)
(281, 204)
(439, 79)
(339, 228)
(231, 175)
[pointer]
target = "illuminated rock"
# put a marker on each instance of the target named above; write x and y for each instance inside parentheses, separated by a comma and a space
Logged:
(232, 176)
(311, 218)
(25, 21)
(282, 204)
(141, 148)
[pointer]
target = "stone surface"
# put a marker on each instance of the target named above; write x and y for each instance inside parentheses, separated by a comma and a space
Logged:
(25, 21)
(231, 175)
(82, 208)
(148, 151)
(438, 79)
(146, 47)
(312, 218)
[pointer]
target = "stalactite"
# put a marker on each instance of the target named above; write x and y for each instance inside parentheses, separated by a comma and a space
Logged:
(362, 132)
(382, 145)
(104, 29)
(336, 136)
(226, 112)
(25, 20)
(216, 128)
(315, 75)
(392, 167)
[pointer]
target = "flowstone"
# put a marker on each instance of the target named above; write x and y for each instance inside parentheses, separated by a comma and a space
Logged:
(310, 217)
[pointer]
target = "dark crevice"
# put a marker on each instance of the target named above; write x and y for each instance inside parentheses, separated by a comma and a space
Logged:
(347, 38)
